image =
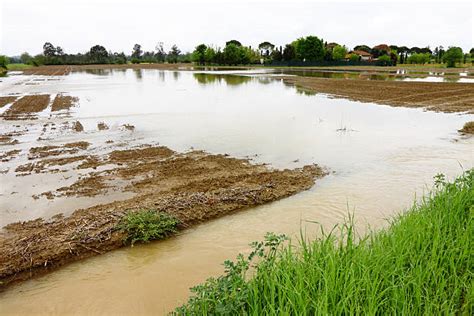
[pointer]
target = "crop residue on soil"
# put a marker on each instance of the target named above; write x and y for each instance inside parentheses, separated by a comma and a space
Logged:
(193, 187)
(63, 102)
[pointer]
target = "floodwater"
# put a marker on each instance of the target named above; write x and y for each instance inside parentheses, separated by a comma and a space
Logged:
(381, 158)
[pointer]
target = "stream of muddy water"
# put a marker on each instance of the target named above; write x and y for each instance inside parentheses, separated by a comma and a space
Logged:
(380, 159)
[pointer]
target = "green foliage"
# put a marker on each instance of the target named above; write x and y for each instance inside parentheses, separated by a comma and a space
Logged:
(173, 54)
(266, 48)
(235, 42)
(4, 61)
(364, 48)
(339, 52)
(26, 58)
(421, 265)
(354, 57)
(384, 60)
(229, 293)
(49, 50)
(309, 48)
(209, 55)
(98, 54)
(452, 56)
(146, 225)
(137, 51)
(199, 54)
(419, 58)
(289, 53)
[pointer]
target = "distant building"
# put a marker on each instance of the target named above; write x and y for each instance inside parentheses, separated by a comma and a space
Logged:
(363, 55)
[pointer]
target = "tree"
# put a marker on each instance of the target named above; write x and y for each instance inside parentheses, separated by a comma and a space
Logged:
(232, 54)
(277, 54)
(119, 58)
(471, 51)
(419, 58)
(137, 51)
(384, 60)
(173, 54)
(414, 50)
(426, 50)
(354, 57)
(59, 51)
(452, 56)
(26, 58)
(364, 48)
(339, 52)
(235, 42)
(49, 50)
(393, 47)
(403, 51)
(3, 61)
(199, 54)
(98, 54)
(266, 48)
(289, 53)
(380, 50)
(210, 55)
(309, 48)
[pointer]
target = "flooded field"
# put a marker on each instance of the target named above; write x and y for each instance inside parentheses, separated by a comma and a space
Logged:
(379, 159)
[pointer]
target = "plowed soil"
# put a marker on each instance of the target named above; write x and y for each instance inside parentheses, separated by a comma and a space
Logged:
(26, 106)
(433, 96)
(5, 100)
(63, 102)
(194, 187)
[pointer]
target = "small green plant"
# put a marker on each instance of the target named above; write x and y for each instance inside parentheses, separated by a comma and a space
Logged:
(146, 225)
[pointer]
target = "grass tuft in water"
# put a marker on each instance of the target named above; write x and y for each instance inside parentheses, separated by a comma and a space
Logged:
(146, 225)
(468, 128)
(422, 264)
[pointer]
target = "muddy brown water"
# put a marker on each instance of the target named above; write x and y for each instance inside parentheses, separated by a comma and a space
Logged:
(382, 158)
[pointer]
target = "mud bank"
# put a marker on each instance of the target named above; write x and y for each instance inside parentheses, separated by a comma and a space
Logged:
(433, 96)
(193, 187)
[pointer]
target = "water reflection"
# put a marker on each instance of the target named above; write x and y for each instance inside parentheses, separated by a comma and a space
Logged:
(138, 74)
(176, 75)
(230, 80)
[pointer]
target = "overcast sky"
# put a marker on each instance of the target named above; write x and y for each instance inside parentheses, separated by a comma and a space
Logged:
(77, 25)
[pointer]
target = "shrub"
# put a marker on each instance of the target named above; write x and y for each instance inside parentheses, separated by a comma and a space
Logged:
(146, 225)
(384, 60)
(3, 61)
(452, 56)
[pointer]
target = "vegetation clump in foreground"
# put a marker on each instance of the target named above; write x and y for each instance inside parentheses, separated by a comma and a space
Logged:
(146, 225)
(468, 128)
(422, 264)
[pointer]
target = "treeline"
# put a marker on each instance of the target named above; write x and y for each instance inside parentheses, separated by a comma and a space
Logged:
(305, 51)
(98, 54)
(312, 49)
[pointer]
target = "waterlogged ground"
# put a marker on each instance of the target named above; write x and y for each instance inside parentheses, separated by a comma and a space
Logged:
(379, 158)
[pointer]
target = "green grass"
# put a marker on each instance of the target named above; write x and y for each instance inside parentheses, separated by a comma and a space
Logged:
(147, 225)
(421, 265)
(18, 67)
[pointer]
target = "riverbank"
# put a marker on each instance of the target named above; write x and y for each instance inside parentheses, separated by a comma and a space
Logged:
(192, 187)
(421, 264)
